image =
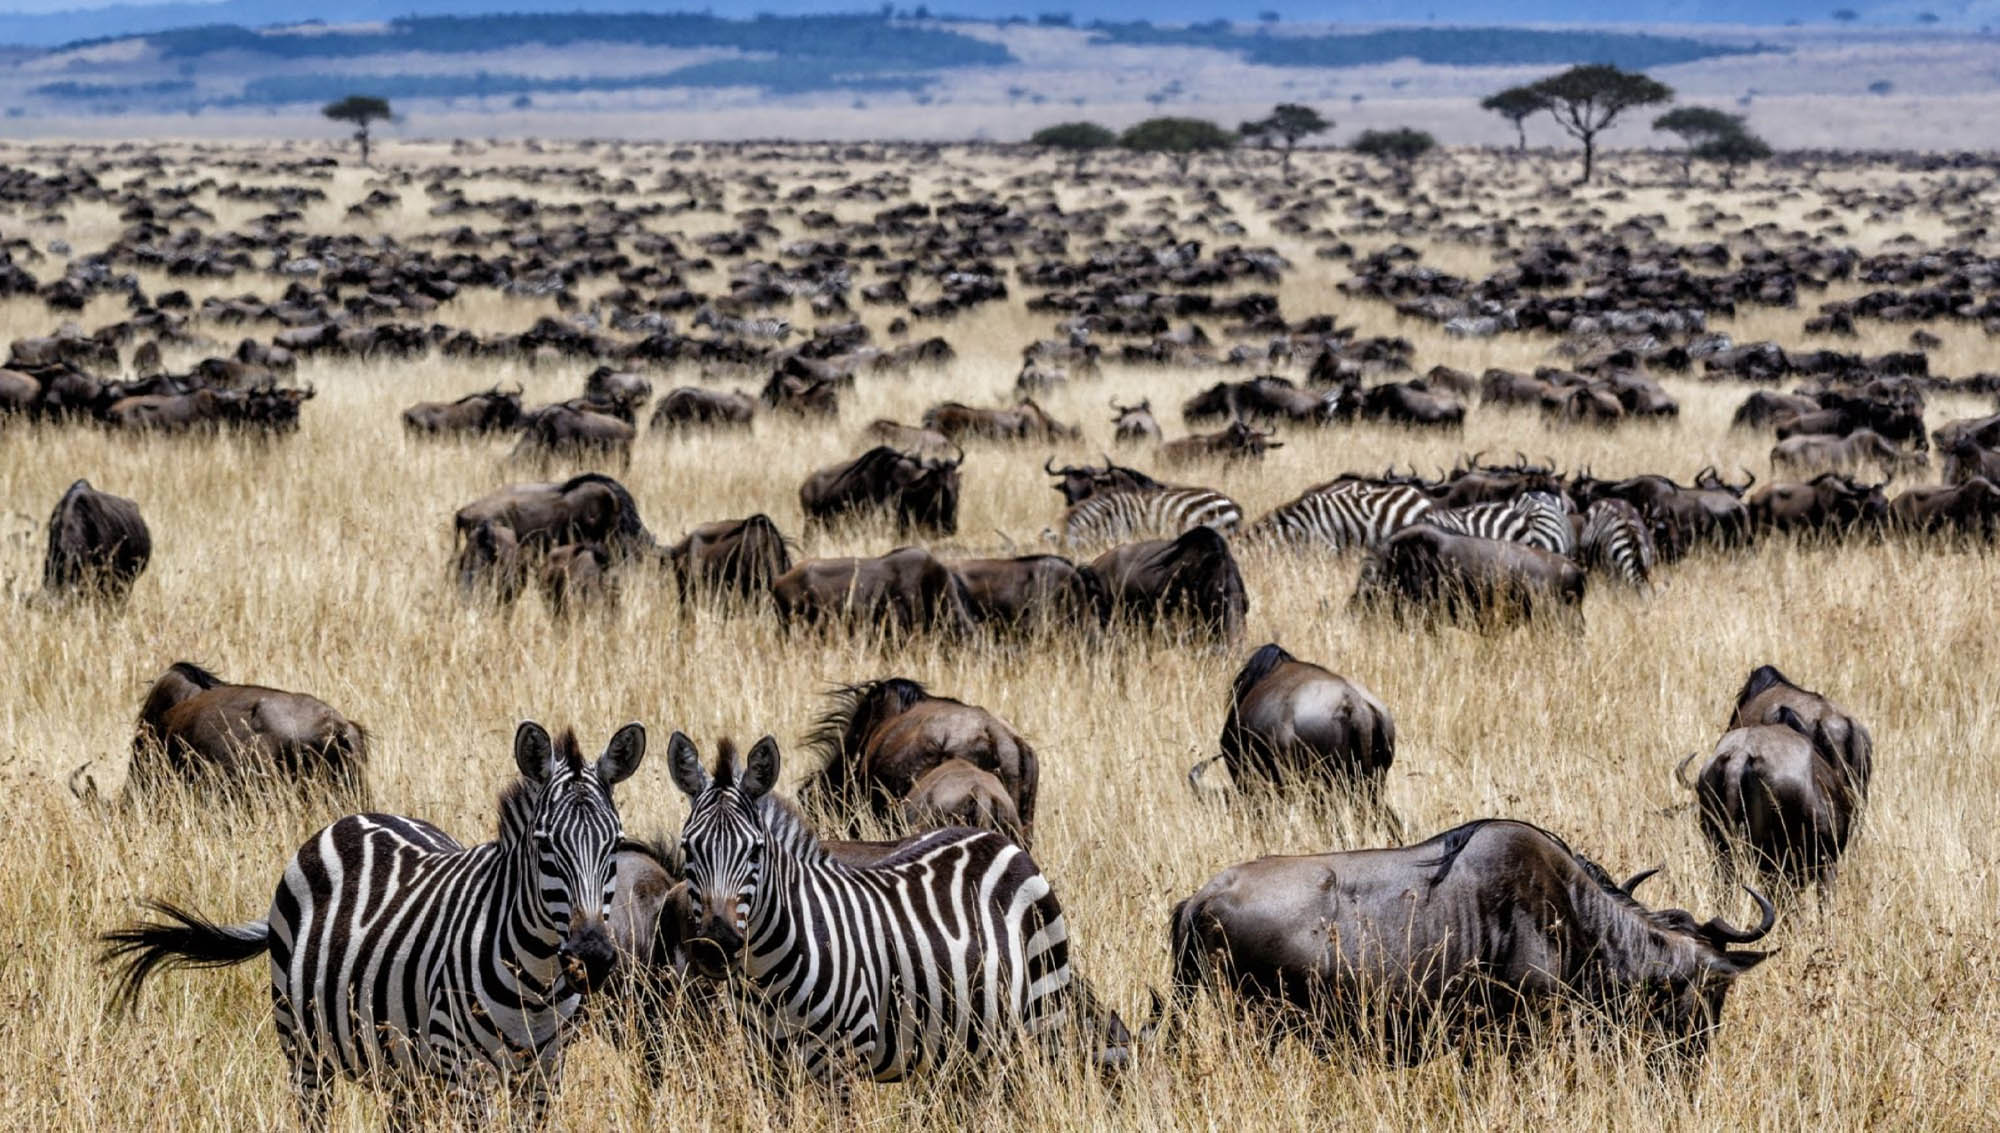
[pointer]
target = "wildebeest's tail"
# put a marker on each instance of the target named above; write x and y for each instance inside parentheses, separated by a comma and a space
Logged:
(1192, 968)
(761, 556)
(189, 941)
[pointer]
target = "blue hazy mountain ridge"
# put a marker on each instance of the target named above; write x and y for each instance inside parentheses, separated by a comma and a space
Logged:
(44, 28)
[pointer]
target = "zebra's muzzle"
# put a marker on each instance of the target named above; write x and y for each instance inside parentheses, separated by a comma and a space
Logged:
(716, 948)
(588, 957)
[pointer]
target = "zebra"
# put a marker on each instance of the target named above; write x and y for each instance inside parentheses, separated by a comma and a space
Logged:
(1617, 538)
(1153, 509)
(1343, 514)
(1536, 519)
(398, 954)
(943, 950)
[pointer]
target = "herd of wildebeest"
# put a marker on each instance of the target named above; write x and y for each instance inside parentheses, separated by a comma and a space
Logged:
(1475, 933)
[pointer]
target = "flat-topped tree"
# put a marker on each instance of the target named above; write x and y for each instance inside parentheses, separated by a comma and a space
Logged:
(1732, 152)
(1398, 147)
(1516, 105)
(1076, 138)
(1696, 126)
(1287, 122)
(363, 111)
(1587, 99)
(1181, 138)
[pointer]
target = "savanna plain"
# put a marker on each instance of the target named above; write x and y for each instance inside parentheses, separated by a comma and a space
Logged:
(319, 561)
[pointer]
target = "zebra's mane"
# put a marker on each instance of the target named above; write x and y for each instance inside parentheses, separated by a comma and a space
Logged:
(788, 831)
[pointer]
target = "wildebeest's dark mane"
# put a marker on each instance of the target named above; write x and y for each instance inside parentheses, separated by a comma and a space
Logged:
(833, 734)
(865, 464)
(196, 674)
(493, 392)
(1453, 842)
(1259, 666)
(1765, 677)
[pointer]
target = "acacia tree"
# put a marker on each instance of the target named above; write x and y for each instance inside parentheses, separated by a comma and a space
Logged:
(1588, 98)
(1181, 138)
(1732, 151)
(363, 111)
(1696, 126)
(1078, 138)
(1398, 147)
(1516, 105)
(1288, 121)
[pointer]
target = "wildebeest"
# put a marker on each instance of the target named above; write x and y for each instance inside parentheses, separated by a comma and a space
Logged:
(174, 413)
(730, 556)
(922, 494)
(98, 545)
(567, 431)
(1262, 398)
(1816, 452)
(1766, 690)
(1830, 503)
(1765, 408)
(904, 591)
(1079, 484)
(1490, 582)
(1026, 421)
(197, 730)
(1293, 723)
(1711, 513)
(1965, 458)
(1132, 424)
(490, 562)
(1036, 593)
(1409, 403)
(880, 739)
(590, 508)
(955, 793)
(1969, 508)
(625, 391)
(490, 411)
(576, 575)
(1781, 793)
(692, 405)
(1193, 577)
(1981, 431)
(1484, 930)
(1237, 442)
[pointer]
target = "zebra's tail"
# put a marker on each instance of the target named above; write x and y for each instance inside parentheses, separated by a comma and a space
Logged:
(188, 941)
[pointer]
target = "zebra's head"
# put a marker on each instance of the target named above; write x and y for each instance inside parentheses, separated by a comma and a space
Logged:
(723, 844)
(571, 826)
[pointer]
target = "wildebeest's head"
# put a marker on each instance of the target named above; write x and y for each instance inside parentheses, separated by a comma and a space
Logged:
(1683, 984)
(928, 493)
(723, 845)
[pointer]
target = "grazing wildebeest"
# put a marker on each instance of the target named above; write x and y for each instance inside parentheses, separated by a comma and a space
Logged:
(1036, 593)
(1483, 931)
(1981, 431)
(490, 563)
(1260, 399)
(1782, 793)
(1293, 723)
(806, 396)
(879, 739)
(923, 494)
(1830, 503)
(730, 556)
(904, 591)
(1409, 403)
(1490, 582)
(565, 431)
(1969, 508)
(1132, 424)
(590, 508)
(468, 966)
(174, 413)
(491, 411)
(196, 730)
(98, 544)
(1965, 458)
(1767, 408)
(955, 793)
(1026, 421)
(1237, 442)
(1818, 452)
(1767, 690)
(576, 575)
(18, 392)
(625, 391)
(1192, 577)
(692, 405)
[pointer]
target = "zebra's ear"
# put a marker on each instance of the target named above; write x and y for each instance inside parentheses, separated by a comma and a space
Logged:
(533, 751)
(685, 762)
(760, 769)
(622, 755)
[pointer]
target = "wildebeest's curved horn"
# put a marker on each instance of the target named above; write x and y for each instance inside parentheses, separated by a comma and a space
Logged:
(1636, 880)
(1747, 483)
(1048, 466)
(1719, 929)
(1150, 1029)
(1520, 459)
(961, 454)
(1682, 766)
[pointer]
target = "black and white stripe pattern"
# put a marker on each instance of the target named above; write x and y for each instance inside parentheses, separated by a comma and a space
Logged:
(398, 954)
(1536, 519)
(946, 948)
(1343, 515)
(1616, 538)
(1162, 512)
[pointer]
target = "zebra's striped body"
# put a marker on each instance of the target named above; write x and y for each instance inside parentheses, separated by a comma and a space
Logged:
(1615, 537)
(948, 947)
(1161, 511)
(1535, 519)
(1343, 515)
(398, 954)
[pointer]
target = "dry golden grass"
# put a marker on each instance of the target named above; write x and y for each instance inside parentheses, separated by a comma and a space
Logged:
(318, 562)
